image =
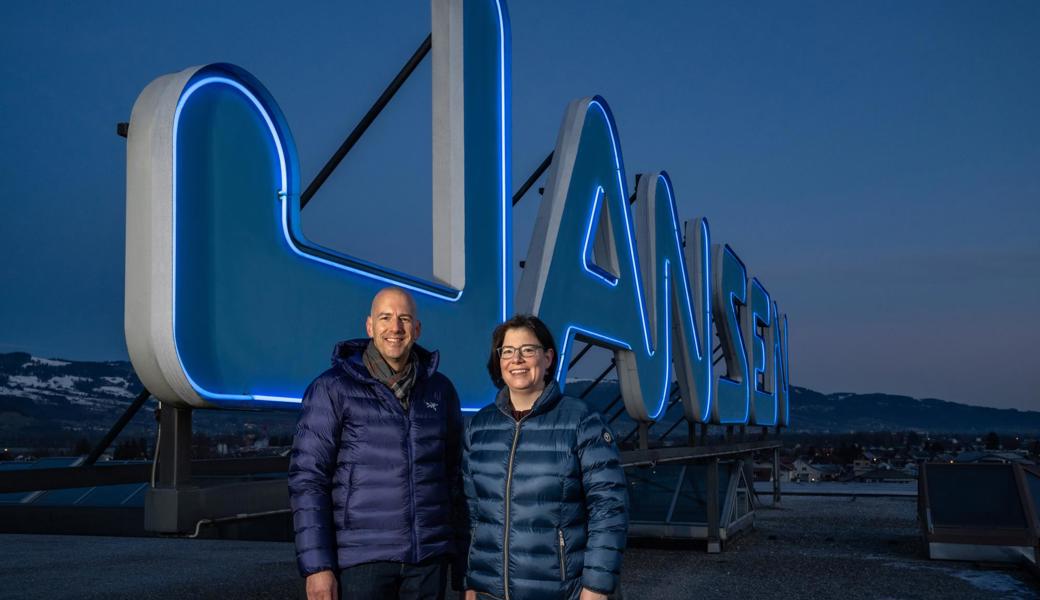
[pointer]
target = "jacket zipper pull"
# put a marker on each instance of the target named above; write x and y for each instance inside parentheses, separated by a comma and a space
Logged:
(563, 565)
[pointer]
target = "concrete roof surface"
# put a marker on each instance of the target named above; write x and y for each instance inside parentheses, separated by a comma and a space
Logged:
(805, 548)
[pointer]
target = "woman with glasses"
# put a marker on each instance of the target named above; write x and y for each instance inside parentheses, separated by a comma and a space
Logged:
(545, 489)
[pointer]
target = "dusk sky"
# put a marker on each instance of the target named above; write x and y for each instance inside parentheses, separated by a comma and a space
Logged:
(876, 165)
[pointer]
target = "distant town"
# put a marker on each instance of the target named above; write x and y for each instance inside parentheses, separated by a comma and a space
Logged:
(884, 457)
(893, 457)
(52, 407)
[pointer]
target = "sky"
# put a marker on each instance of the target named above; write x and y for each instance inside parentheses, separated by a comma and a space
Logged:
(876, 165)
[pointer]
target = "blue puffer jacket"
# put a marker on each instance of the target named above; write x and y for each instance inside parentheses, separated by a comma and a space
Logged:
(548, 505)
(369, 481)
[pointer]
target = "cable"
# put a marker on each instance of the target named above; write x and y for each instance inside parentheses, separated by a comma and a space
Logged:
(158, 438)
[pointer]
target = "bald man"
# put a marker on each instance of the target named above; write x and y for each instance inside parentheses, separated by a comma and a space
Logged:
(374, 475)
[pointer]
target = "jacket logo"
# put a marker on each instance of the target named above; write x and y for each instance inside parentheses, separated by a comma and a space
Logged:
(431, 405)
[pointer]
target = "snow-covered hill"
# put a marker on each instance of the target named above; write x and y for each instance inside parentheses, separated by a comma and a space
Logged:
(48, 402)
(42, 399)
(41, 396)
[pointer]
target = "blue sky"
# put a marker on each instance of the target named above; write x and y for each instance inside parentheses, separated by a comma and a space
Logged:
(876, 165)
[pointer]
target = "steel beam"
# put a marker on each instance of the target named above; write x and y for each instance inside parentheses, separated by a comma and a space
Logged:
(115, 430)
(654, 456)
(714, 541)
(59, 478)
(174, 446)
(776, 476)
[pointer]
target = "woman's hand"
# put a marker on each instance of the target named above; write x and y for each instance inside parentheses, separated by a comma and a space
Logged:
(587, 594)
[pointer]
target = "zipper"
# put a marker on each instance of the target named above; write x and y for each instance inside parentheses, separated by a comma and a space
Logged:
(411, 470)
(563, 566)
(411, 490)
(509, 482)
(388, 396)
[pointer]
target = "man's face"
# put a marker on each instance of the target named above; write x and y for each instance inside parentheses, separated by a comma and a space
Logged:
(393, 326)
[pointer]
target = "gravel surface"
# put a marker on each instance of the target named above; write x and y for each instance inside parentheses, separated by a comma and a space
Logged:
(820, 547)
(808, 547)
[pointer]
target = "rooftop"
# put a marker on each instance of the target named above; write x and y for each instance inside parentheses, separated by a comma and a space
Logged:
(807, 547)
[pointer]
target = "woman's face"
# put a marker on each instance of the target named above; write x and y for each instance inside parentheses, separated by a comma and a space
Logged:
(524, 374)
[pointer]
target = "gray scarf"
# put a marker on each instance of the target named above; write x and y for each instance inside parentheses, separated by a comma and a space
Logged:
(399, 382)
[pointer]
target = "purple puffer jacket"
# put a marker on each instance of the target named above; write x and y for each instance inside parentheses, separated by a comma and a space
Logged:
(369, 481)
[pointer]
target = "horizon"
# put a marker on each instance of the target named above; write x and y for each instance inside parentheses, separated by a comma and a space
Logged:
(613, 379)
(873, 165)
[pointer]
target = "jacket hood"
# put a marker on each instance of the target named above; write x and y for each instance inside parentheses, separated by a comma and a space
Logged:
(347, 356)
(550, 397)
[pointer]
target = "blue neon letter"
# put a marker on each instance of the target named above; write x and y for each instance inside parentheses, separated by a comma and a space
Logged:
(684, 276)
(228, 304)
(762, 350)
(574, 290)
(783, 376)
(731, 389)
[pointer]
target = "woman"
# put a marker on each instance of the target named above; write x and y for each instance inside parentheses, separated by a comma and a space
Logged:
(544, 484)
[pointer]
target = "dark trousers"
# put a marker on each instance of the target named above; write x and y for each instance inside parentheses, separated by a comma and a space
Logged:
(386, 580)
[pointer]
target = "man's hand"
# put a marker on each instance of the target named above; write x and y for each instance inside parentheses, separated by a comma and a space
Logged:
(322, 586)
(587, 594)
(471, 595)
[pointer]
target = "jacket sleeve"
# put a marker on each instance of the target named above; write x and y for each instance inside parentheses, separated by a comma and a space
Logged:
(311, 466)
(459, 512)
(470, 500)
(606, 504)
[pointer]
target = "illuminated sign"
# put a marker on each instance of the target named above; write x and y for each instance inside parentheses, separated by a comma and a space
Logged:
(228, 304)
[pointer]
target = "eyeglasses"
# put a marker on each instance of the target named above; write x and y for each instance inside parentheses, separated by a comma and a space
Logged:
(526, 351)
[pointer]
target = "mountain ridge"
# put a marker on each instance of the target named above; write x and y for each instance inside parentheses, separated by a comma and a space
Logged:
(49, 398)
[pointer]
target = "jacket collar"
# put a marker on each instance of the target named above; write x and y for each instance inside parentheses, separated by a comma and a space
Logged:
(347, 356)
(550, 397)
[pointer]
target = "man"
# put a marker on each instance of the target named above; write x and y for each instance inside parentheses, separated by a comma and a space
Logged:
(374, 475)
